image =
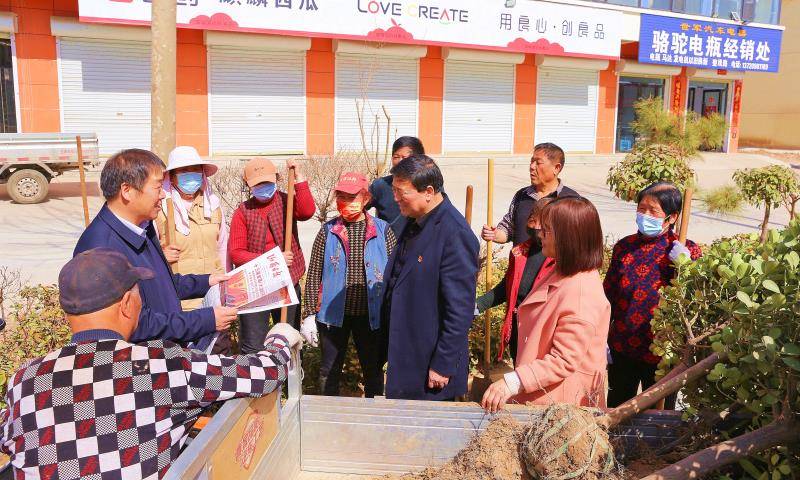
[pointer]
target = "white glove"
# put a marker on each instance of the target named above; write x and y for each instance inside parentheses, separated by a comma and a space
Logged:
(677, 250)
(308, 329)
(287, 331)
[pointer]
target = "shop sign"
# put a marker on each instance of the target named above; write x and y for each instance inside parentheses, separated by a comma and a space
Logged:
(528, 27)
(700, 44)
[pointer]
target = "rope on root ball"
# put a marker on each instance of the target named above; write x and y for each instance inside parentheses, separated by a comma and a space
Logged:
(566, 444)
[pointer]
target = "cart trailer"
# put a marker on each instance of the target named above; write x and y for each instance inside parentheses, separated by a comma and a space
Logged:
(332, 438)
(29, 161)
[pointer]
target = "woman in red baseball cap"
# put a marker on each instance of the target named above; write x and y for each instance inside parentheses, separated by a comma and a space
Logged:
(344, 286)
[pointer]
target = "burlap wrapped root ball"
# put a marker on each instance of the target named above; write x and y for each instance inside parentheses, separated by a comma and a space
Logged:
(567, 443)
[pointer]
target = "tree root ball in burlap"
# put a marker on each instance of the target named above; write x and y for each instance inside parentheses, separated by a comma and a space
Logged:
(565, 444)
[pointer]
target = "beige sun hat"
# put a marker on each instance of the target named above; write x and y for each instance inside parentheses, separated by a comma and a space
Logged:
(186, 157)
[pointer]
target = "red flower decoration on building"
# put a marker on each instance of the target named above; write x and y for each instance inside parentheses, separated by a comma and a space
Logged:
(395, 32)
(539, 46)
(216, 20)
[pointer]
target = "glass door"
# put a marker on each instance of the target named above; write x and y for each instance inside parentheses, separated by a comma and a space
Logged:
(632, 89)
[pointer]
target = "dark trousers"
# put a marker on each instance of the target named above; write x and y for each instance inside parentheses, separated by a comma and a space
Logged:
(624, 377)
(253, 327)
(333, 341)
(512, 342)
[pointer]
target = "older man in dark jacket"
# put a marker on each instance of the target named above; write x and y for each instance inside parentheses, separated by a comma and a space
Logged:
(131, 183)
(430, 297)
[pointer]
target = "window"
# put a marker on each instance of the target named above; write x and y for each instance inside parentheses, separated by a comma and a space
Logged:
(8, 112)
(627, 3)
(723, 8)
(761, 11)
(699, 7)
(657, 4)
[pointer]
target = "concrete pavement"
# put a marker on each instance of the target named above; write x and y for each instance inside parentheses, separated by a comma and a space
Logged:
(39, 239)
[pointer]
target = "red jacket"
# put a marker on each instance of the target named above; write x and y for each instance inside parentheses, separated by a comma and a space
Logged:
(238, 251)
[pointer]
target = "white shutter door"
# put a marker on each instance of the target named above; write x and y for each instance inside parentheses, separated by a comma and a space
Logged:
(478, 107)
(373, 82)
(566, 108)
(257, 101)
(105, 88)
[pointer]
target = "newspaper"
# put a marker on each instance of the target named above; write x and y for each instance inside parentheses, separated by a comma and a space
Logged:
(263, 283)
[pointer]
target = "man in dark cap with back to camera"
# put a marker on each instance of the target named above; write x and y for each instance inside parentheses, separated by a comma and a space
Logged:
(104, 407)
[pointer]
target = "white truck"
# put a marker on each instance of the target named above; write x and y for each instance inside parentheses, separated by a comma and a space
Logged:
(29, 161)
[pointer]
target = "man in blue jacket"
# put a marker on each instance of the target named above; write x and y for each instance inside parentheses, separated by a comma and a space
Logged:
(131, 183)
(430, 294)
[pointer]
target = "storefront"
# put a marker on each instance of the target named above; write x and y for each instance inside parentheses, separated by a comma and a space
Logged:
(104, 80)
(479, 101)
(638, 81)
(376, 91)
(712, 57)
(277, 78)
(256, 95)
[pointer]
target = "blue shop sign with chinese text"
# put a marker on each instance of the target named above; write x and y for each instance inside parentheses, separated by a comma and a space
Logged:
(701, 44)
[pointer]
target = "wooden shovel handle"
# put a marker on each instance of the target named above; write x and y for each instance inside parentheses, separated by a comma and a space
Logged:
(287, 241)
(487, 319)
(468, 206)
(686, 213)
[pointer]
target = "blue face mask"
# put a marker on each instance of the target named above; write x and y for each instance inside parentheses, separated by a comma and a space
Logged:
(190, 182)
(649, 226)
(264, 191)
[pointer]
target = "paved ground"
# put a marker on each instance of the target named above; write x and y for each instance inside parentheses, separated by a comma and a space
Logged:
(39, 239)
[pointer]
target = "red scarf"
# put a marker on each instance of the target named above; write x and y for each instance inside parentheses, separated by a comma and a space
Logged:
(516, 266)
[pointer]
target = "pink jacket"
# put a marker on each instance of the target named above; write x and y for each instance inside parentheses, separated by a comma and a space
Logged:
(562, 334)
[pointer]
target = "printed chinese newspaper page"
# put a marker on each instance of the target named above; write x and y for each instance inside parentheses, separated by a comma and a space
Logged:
(261, 284)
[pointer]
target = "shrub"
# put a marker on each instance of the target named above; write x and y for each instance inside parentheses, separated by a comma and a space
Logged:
(711, 130)
(38, 326)
(768, 186)
(724, 200)
(742, 298)
(323, 171)
(648, 164)
(654, 125)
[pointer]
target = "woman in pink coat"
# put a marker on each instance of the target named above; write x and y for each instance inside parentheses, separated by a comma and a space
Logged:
(563, 322)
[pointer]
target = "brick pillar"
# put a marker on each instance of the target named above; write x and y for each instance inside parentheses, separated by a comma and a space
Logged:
(320, 97)
(525, 105)
(191, 101)
(606, 109)
(37, 68)
(431, 97)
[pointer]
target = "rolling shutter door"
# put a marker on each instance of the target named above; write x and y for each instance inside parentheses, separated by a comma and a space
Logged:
(375, 81)
(478, 107)
(256, 101)
(105, 88)
(566, 108)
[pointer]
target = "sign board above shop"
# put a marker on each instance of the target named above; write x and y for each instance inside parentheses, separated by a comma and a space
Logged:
(529, 27)
(700, 44)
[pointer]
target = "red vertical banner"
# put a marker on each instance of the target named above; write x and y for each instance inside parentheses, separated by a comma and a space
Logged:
(678, 86)
(733, 144)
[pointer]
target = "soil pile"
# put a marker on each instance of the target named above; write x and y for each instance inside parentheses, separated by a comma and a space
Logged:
(495, 454)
